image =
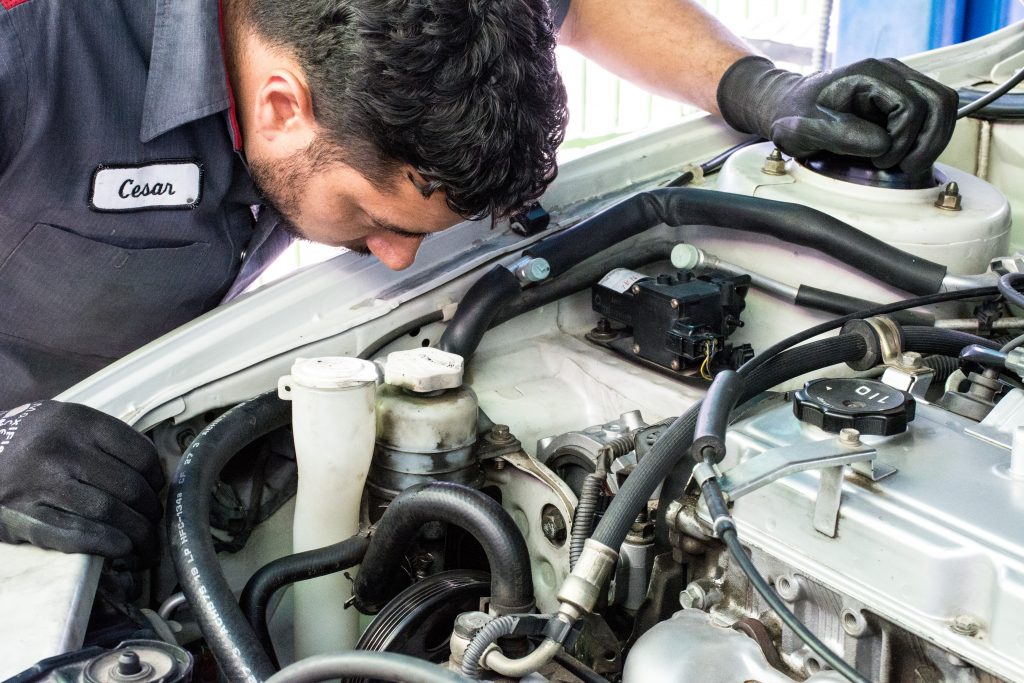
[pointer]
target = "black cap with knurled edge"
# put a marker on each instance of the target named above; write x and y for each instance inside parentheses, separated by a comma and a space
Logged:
(866, 405)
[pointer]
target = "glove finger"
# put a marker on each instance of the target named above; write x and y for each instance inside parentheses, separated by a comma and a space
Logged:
(56, 529)
(113, 477)
(847, 134)
(91, 503)
(118, 440)
(935, 132)
(895, 105)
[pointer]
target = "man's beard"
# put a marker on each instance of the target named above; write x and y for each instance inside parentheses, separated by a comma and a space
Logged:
(281, 183)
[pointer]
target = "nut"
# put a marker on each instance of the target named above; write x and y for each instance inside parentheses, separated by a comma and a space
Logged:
(949, 198)
(774, 164)
(553, 525)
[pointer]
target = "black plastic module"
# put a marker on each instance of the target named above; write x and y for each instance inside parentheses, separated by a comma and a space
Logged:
(676, 321)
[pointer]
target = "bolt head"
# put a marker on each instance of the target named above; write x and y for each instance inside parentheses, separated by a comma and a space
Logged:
(674, 364)
(965, 625)
(674, 304)
(849, 436)
(911, 359)
(635, 289)
(636, 348)
(128, 663)
(553, 525)
(693, 597)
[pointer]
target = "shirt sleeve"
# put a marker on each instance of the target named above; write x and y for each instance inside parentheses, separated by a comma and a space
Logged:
(559, 8)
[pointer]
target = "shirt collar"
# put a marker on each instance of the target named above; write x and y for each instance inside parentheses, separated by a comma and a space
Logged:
(187, 77)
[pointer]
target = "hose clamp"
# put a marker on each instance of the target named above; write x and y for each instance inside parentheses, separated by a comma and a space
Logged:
(884, 339)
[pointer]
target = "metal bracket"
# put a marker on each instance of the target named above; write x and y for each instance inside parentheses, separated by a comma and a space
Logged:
(831, 457)
(776, 463)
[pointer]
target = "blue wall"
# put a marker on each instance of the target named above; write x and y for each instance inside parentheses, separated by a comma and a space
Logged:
(895, 28)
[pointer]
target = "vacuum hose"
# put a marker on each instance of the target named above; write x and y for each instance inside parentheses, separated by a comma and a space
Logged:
(461, 506)
(234, 644)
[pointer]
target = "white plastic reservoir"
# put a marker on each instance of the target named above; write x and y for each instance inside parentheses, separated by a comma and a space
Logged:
(333, 421)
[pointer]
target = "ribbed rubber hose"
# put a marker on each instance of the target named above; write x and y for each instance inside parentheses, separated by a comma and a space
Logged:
(381, 666)
(234, 644)
(792, 223)
(475, 512)
(274, 576)
(942, 342)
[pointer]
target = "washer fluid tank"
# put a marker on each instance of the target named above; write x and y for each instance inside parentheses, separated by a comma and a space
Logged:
(426, 425)
(903, 211)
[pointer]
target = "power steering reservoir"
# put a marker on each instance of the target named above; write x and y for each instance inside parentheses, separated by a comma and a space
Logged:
(426, 425)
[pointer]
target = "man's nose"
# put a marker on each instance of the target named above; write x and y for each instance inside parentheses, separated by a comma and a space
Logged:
(397, 252)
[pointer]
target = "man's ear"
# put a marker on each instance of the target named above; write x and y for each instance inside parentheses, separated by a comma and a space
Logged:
(284, 109)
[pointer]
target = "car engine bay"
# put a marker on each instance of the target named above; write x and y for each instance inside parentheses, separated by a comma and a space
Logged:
(707, 414)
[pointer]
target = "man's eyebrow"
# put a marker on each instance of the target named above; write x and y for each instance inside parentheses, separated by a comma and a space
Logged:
(395, 229)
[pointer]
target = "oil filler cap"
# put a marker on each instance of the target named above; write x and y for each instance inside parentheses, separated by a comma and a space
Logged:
(866, 405)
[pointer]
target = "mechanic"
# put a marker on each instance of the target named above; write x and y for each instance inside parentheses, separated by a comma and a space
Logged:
(155, 155)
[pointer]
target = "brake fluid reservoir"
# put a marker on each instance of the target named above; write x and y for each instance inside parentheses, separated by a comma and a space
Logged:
(426, 425)
(333, 421)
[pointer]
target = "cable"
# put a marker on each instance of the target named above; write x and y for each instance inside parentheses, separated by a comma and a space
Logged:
(766, 355)
(1008, 287)
(713, 164)
(992, 96)
(386, 666)
(1012, 344)
(759, 583)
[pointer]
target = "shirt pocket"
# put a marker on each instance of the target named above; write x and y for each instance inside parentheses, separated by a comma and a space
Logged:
(62, 290)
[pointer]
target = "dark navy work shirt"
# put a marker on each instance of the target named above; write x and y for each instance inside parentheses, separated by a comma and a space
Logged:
(124, 207)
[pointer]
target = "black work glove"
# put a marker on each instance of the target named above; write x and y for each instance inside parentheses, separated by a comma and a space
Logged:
(879, 109)
(77, 480)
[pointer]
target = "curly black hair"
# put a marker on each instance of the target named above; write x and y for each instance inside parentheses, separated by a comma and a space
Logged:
(465, 91)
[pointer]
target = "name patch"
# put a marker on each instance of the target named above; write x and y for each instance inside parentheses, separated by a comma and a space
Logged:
(156, 185)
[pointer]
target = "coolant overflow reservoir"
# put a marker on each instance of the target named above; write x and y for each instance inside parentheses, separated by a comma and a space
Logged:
(332, 418)
(426, 425)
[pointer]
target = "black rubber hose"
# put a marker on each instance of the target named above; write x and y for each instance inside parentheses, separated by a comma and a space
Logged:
(285, 571)
(1008, 287)
(460, 506)
(944, 366)
(667, 451)
(841, 304)
(234, 644)
(477, 309)
(792, 223)
(942, 342)
(713, 417)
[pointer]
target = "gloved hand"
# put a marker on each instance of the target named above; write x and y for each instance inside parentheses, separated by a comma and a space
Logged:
(879, 109)
(77, 480)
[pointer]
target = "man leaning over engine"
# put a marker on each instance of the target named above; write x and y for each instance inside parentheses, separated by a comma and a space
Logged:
(155, 155)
